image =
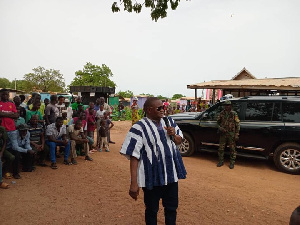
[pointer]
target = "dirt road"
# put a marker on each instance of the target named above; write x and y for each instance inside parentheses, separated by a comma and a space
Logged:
(97, 192)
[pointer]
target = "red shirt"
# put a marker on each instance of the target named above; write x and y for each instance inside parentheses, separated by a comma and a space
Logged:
(90, 119)
(83, 122)
(7, 122)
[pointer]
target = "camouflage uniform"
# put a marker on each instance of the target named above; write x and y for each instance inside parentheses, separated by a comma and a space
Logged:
(229, 121)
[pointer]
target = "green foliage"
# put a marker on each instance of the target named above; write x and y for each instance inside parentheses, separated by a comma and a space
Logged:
(161, 97)
(149, 95)
(93, 75)
(158, 7)
(45, 80)
(125, 94)
(126, 116)
(21, 85)
(177, 96)
(5, 83)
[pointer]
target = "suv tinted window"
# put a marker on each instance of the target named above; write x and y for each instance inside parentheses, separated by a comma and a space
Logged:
(291, 112)
(214, 114)
(263, 111)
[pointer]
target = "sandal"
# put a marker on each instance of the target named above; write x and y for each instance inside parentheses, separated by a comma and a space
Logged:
(8, 175)
(53, 166)
(4, 185)
(66, 162)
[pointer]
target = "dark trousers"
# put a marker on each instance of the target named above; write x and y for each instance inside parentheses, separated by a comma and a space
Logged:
(169, 196)
(16, 162)
(27, 162)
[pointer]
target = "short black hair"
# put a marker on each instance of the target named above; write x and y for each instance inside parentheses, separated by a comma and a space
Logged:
(149, 102)
(22, 97)
(3, 90)
(59, 119)
(53, 97)
(78, 121)
(59, 97)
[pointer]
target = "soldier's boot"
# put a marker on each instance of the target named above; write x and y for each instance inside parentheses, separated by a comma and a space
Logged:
(232, 159)
(220, 164)
(221, 158)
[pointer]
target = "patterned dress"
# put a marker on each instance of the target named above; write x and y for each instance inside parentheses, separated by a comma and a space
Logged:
(135, 113)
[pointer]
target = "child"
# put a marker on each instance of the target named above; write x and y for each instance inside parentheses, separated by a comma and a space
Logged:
(108, 125)
(65, 118)
(103, 136)
(91, 123)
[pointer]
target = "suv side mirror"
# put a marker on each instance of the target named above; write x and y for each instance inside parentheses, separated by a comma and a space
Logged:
(205, 116)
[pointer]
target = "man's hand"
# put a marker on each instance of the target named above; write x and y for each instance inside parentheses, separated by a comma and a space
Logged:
(31, 152)
(236, 137)
(222, 130)
(85, 141)
(134, 191)
(170, 131)
(65, 142)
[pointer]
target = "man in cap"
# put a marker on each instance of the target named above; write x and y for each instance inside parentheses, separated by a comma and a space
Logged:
(229, 128)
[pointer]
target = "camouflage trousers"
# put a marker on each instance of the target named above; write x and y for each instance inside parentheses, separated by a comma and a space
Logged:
(230, 140)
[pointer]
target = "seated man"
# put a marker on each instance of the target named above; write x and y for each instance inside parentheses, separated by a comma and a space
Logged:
(37, 139)
(3, 139)
(57, 136)
(78, 138)
(23, 150)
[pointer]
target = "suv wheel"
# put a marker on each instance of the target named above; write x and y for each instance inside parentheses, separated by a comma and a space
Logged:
(287, 158)
(187, 146)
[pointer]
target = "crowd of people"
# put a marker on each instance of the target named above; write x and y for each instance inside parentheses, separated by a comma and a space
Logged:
(33, 131)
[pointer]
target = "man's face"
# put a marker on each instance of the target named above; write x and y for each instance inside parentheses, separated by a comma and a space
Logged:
(98, 101)
(91, 105)
(227, 107)
(78, 125)
(46, 101)
(61, 101)
(78, 100)
(23, 133)
(67, 104)
(17, 100)
(4, 96)
(33, 120)
(156, 111)
(37, 98)
(37, 105)
(101, 107)
(59, 123)
(80, 107)
(101, 101)
(82, 116)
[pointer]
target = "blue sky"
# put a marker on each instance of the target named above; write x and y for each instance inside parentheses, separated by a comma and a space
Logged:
(202, 40)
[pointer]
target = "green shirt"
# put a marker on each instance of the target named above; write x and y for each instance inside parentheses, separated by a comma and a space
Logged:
(19, 121)
(29, 114)
(41, 110)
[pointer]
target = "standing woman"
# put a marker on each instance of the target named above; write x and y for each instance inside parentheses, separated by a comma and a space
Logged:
(135, 111)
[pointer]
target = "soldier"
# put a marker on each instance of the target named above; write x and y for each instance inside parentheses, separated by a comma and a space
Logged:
(229, 127)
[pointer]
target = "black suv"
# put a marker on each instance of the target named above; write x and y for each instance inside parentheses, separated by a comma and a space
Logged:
(270, 126)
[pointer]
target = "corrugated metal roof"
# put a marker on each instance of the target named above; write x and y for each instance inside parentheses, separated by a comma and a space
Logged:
(288, 83)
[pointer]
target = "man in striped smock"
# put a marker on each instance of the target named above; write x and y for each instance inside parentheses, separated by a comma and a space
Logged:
(155, 162)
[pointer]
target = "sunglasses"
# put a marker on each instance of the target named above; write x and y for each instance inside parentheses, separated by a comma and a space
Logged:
(160, 108)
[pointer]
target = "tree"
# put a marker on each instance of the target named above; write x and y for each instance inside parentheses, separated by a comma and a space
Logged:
(93, 75)
(45, 80)
(158, 7)
(21, 85)
(5, 83)
(161, 97)
(177, 96)
(149, 95)
(125, 94)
